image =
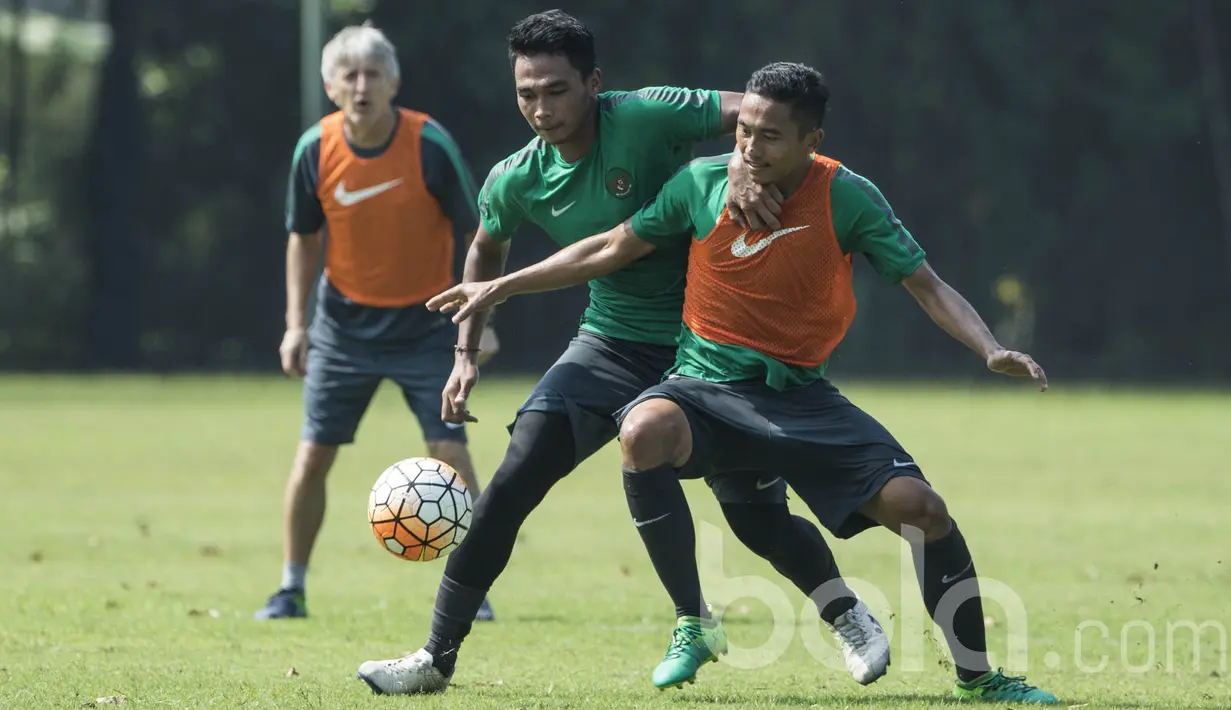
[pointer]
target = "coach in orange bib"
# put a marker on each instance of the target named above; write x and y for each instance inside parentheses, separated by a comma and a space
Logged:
(385, 189)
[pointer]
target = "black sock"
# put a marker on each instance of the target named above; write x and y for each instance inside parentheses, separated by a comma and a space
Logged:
(797, 551)
(947, 562)
(660, 512)
(456, 605)
(806, 548)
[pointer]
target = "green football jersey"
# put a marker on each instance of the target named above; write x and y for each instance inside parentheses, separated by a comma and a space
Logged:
(691, 203)
(643, 138)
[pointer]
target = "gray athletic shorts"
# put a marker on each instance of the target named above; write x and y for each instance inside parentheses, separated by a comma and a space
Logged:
(597, 377)
(342, 378)
(835, 456)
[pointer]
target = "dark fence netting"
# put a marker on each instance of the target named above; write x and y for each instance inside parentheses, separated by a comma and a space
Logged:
(1066, 165)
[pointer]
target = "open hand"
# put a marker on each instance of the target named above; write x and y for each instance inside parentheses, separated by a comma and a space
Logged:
(1015, 364)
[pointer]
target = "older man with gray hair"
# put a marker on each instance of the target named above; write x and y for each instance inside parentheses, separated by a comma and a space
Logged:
(389, 189)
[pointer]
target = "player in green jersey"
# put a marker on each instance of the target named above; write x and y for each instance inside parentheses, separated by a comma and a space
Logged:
(763, 312)
(598, 157)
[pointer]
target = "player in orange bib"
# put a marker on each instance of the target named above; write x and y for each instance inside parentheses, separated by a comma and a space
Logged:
(390, 192)
(763, 311)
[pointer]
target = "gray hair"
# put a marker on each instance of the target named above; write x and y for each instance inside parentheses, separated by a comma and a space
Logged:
(355, 43)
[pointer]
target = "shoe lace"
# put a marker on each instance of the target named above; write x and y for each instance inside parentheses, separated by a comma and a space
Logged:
(1010, 683)
(683, 638)
(852, 632)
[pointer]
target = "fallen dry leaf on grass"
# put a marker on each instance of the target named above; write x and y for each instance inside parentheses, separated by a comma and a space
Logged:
(111, 700)
(291, 672)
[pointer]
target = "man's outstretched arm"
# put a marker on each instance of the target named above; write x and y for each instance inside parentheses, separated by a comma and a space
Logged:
(576, 264)
(958, 318)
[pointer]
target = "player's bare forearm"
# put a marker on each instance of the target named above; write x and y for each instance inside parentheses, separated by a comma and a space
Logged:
(583, 261)
(303, 262)
(729, 102)
(951, 311)
(485, 261)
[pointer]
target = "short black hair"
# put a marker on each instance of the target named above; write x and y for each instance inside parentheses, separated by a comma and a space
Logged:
(554, 32)
(801, 86)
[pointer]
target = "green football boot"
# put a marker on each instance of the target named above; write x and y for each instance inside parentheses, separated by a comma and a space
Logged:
(996, 687)
(694, 643)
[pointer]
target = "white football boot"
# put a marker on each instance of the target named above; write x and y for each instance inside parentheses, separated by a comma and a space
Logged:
(864, 644)
(408, 675)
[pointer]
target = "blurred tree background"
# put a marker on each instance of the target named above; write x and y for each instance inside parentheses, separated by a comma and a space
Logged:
(1066, 164)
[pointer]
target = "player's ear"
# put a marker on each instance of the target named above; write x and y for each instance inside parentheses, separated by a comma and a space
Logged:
(595, 82)
(814, 139)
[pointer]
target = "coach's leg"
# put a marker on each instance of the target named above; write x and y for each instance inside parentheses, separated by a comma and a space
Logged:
(336, 393)
(457, 455)
(304, 508)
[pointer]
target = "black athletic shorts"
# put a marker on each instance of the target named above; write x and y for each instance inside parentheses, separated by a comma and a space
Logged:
(597, 377)
(835, 456)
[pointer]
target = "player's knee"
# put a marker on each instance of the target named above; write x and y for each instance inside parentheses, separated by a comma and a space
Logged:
(926, 510)
(453, 453)
(540, 453)
(313, 461)
(654, 433)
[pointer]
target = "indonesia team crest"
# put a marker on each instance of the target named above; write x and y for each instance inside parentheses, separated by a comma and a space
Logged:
(619, 182)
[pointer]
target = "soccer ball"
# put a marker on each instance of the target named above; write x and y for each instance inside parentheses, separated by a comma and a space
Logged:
(419, 509)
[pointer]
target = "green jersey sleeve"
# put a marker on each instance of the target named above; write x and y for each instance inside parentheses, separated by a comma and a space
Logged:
(865, 224)
(684, 114)
(500, 211)
(304, 214)
(667, 218)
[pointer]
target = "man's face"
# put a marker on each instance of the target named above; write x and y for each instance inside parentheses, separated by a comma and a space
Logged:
(774, 146)
(553, 96)
(363, 89)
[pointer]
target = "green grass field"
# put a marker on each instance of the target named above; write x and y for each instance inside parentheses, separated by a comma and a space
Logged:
(141, 528)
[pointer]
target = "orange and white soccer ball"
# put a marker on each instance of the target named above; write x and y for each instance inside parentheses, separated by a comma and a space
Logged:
(420, 509)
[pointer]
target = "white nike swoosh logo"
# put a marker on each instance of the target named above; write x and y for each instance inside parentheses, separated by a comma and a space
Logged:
(947, 579)
(346, 199)
(643, 523)
(762, 485)
(741, 249)
(557, 212)
(904, 464)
